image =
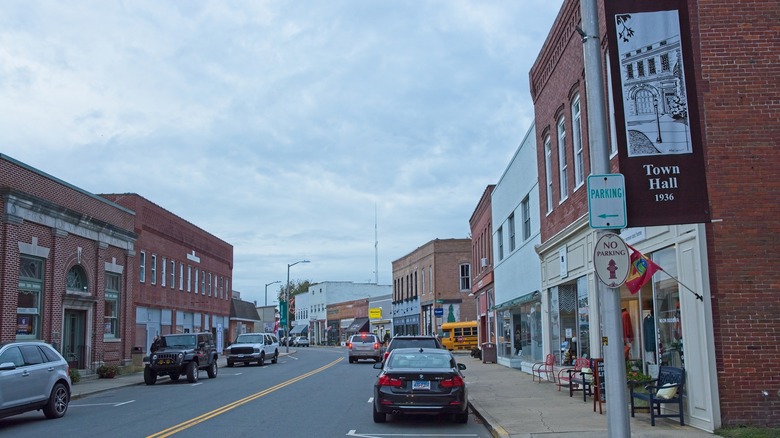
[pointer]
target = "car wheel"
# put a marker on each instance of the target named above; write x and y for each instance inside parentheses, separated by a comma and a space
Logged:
(58, 401)
(462, 418)
(261, 362)
(150, 377)
(192, 372)
(230, 364)
(175, 376)
(275, 359)
(212, 371)
(379, 417)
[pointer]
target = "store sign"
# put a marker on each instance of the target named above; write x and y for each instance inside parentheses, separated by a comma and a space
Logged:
(612, 260)
(660, 148)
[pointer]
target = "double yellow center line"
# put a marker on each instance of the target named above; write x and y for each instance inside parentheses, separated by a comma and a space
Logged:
(209, 415)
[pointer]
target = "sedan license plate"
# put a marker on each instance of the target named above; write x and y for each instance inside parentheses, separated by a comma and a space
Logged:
(421, 385)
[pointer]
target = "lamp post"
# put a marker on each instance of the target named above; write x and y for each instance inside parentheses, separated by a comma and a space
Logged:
(287, 300)
(266, 290)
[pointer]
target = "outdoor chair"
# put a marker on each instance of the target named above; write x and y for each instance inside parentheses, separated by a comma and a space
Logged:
(545, 367)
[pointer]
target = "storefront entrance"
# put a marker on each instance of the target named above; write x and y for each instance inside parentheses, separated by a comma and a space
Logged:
(74, 338)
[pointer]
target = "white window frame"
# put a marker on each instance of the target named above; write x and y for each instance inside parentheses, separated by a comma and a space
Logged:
(576, 140)
(548, 173)
(500, 242)
(173, 274)
(465, 277)
(154, 269)
(164, 272)
(525, 206)
(563, 165)
(142, 267)
(512, 241)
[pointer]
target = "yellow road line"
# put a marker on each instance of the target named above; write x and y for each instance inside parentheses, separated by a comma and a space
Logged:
(219, 411)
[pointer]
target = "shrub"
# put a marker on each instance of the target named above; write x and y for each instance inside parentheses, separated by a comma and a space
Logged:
(107, 371)
(75, 376)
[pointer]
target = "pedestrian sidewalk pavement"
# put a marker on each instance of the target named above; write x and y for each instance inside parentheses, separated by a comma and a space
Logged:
(507, 400)
(513, 405)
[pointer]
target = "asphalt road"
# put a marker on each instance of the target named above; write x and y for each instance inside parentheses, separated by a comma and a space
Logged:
(312, 393)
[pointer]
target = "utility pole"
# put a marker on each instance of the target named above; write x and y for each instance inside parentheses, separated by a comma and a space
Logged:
(612, 343)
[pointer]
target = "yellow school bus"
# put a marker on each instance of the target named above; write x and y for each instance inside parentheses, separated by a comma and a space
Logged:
(459, 335)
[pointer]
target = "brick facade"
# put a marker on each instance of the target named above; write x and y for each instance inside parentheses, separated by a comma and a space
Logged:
(481, 228)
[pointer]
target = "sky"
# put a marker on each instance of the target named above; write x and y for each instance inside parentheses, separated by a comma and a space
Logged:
(330, 131)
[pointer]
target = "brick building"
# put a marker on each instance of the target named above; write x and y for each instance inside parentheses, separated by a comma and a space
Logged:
(66, 259)
(183, 275)
(720, 339)
(481, 227)
(435, 275)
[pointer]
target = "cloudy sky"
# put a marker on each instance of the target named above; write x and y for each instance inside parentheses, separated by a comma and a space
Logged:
(286, 128)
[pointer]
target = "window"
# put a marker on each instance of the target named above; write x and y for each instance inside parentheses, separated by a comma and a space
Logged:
(173, 274)
(562, 163)
(465, 277)
(630, 71)
(77, 279)
(548, 175)
(640, 69)
(576, 140)
(209, 283)
(196, 280)
(164, 272)
(526, 211)
(181, 276)
(28, 305)
(511, 232)
(500, 242)
(665, 62)
(189, 278)
(111, 314)
(203, 282)
(651, 66)
(154, 269)
(142, 270)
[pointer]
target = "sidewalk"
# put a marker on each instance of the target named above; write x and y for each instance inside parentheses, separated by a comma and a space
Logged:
(506, 400)
(512, 405)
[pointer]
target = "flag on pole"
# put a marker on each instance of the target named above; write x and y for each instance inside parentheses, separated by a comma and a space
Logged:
(640, 271)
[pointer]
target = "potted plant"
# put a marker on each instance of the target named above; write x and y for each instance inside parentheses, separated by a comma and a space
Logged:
(107, 371)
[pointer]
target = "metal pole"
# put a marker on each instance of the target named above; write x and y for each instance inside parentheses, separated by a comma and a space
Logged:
(287, 300)
(614, 362)
(266, 290)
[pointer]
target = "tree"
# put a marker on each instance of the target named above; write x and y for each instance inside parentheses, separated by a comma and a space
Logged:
(295, 288)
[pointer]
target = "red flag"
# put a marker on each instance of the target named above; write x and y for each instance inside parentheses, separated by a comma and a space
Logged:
(640, 271)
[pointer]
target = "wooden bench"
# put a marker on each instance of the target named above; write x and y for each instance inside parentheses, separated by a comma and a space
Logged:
(666, 389)
(545, 367)
(572, 375)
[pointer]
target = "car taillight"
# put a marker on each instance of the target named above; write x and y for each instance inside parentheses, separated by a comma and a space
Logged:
(387, 353)
(349, 345)
(376, 345)
(453, 382)
(389, 381)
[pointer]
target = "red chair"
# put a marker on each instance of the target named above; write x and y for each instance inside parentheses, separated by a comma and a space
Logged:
(545, 367)
(572, 373)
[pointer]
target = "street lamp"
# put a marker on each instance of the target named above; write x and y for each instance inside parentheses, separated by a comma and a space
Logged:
(287, 300)
(266, 290)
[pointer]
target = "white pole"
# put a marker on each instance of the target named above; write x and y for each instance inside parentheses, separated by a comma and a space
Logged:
(614, 362)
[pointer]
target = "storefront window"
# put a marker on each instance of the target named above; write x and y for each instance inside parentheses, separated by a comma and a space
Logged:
(582, 342)
(28, 307)
(667, 308)
(528, 331)
(505, 334)
(570, 321)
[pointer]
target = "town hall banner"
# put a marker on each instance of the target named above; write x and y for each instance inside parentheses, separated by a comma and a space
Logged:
(660, 150)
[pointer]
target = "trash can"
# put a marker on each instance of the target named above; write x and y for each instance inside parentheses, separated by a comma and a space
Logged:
(488, 352)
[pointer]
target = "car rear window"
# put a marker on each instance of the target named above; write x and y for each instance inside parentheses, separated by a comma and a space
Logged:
(368, 339)
(414, 343)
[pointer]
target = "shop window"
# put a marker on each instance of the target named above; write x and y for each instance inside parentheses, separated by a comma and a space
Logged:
(111, 314)
(667, 310)
(29, 301)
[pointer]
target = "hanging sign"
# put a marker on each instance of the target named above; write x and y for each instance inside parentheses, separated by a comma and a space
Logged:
(611, 259)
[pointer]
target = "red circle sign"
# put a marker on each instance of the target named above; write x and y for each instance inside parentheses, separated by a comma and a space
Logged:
(611, 260)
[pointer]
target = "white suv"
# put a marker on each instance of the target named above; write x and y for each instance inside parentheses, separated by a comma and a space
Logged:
(253, 347)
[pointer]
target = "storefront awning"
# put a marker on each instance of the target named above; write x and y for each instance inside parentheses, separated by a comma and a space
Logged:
(299, 330)
(358, 325)
(527, 298)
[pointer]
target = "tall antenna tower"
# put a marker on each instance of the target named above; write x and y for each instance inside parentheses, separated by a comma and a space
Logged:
(376, 248)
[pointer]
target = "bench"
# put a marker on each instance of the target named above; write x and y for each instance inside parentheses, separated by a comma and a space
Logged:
(572, 375)
(666, 389)
(545, 367)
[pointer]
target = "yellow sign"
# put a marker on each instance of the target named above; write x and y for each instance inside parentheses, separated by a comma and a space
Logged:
(375, 313)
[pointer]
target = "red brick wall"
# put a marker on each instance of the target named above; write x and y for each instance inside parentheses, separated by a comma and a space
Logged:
(738, 81)
(481, 228)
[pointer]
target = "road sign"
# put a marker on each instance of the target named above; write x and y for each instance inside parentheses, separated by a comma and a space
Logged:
(611, 259)
(607, 201)
(438, 311)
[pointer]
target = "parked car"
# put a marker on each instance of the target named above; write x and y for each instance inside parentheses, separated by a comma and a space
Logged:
(253, 347)
(182, 354)
(364, 346)
(420, 381)
(301, 341)
(33, 376)
(412, 341)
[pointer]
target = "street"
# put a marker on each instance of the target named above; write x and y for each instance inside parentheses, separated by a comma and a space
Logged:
(314, 392)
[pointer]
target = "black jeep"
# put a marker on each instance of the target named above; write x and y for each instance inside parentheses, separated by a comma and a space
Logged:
(185, 353)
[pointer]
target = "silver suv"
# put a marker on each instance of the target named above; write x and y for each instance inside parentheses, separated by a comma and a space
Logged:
(364, 346)
(253, 347)
(33, 376)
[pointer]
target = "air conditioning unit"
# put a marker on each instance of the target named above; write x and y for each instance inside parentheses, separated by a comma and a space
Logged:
(483, 262)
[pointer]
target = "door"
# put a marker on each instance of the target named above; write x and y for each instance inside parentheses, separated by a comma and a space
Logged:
(74, 339)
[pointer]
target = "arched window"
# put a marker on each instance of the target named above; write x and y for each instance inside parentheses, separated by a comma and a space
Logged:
(77, 279)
